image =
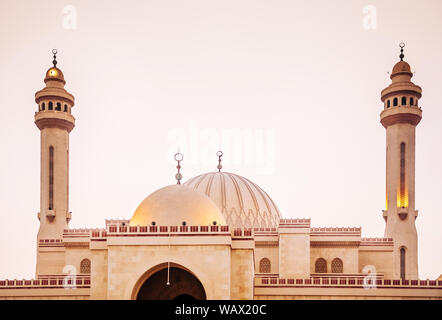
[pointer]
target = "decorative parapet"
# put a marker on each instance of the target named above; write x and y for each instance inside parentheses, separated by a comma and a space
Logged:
(377, 242)
(346, 275)
(116, 230)
(347, 282)
(299, 223)
(336, 230)
(61, 276)
(76, 237)
(49, 283)
(117, 222)
(98, 233)
(50, 243)
(246, 233)
(120, 230)
(265, 230)
(76, 232)
(335, 237)
(295, 221)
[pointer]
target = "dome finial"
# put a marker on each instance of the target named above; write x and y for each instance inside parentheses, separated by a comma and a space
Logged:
(178, 158)
(219, 166)
(402, 45)
(54, 51)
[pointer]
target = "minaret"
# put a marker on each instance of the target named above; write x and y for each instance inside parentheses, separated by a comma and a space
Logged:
(55, 121)
(400, 117)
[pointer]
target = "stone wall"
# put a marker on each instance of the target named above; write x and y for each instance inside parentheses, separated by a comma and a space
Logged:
(348, 255)
(129, 266)
(242, 274)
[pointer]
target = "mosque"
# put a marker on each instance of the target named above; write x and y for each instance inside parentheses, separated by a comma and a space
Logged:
(219, 235)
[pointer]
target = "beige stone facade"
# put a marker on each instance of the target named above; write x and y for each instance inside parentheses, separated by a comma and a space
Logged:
(219, 235)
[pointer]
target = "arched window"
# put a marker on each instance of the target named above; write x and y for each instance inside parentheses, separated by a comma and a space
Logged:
(402, 196)
(50, 105)
(411, 102)
(58, 107)
(65, 108)
(51, 178)
(43, 106)
(321, 266)
(404, 101)
(402, 263)
(395, 102)
(388, 103)
(337, 266)
(85, 266)
(264, 265)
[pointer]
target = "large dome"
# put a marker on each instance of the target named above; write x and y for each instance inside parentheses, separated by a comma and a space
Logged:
(175, 204)
(243, 203)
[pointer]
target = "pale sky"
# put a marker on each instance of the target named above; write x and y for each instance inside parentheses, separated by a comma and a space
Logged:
(298, 82)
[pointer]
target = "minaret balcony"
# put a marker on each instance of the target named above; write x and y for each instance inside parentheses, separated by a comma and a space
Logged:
(54, 119)
(399, 88)
(403, 114)
(54, 94)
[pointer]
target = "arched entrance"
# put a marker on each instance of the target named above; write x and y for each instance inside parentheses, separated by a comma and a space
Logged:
(183, 286)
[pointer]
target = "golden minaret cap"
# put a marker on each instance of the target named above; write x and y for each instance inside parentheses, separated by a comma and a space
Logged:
(54, 73)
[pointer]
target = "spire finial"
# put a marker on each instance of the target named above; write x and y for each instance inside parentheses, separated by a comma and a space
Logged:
(402, 45)
(54, 51)
(219, 166)
(178, 158)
